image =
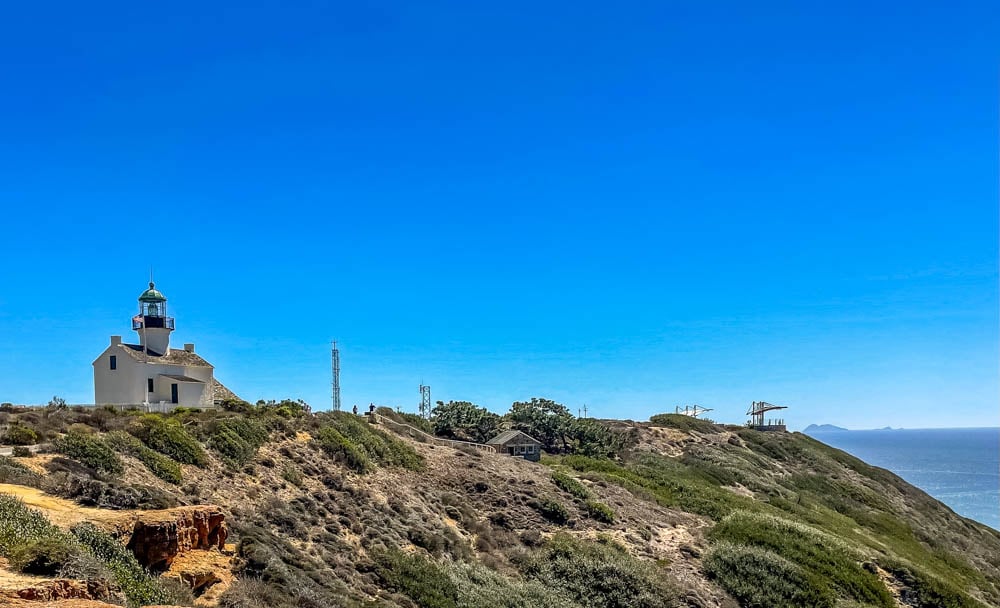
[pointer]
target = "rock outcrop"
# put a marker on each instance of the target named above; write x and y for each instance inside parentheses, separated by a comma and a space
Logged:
(64, 589)
(157, 537)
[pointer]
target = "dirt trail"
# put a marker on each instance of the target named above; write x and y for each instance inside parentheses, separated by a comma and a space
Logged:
(63, 513)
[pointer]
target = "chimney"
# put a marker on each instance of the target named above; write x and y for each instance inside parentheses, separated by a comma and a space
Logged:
(116, 340)
(189, 347)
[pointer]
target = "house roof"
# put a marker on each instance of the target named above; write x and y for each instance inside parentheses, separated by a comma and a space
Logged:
(508, 436)
(222, 393)
(181, 378)
(174, 357)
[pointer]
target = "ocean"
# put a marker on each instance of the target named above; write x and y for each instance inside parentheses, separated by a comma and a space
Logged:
(959, 467)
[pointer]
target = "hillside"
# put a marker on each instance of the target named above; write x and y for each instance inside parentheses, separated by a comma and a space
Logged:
(274, 506)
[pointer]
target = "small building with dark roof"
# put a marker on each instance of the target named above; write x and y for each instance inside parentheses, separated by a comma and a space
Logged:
(150, 372)
(517, 443)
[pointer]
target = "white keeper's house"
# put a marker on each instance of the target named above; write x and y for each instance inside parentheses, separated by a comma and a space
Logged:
(150, 372)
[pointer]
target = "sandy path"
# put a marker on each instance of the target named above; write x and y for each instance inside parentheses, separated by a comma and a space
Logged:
(63, 513)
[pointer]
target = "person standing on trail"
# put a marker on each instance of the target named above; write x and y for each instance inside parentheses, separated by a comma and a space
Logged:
(355, 409)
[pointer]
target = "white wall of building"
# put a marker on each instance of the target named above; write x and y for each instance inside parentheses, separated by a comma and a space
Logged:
(118, 386)
(127, 384)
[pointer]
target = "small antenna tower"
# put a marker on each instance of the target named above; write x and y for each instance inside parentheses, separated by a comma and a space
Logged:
(425, 401)
(335, 360)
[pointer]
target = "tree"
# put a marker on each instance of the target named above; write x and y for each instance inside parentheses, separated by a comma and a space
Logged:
(465, 421)
(543, 419)
(592, 438)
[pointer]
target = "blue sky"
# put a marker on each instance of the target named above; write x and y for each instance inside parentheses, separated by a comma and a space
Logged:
(628, 205)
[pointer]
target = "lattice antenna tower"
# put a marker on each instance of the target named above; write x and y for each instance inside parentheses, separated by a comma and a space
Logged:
(335, 362)
(425, 401)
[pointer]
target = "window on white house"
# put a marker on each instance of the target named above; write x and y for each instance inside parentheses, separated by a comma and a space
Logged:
(531, 449)
(149, 385)
(114, 362)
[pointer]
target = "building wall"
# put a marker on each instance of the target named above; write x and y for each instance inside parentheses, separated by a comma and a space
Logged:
(190, 394)
(520, 450)
(161, 386)
(118, 386)
(127, 384)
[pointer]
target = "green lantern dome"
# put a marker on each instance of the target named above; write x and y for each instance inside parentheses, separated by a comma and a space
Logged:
(152, 295)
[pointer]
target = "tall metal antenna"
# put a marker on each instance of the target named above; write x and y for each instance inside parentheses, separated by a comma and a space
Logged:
(335, 359)
(425, 401)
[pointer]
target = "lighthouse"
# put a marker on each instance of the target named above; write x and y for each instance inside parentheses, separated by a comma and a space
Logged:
(150, 374)
(152, 322)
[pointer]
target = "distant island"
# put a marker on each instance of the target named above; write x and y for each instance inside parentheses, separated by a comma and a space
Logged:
(823, 428)
(830, 428)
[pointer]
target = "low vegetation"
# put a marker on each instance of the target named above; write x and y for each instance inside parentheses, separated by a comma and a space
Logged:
(19, 434)
(600, 511)
(158, 464)
(684, 423)
(12, 471)
(139, 586)
(91, 450)
(358, 445)
(167, 436)
(570, 485)
(826, 562)
(34, 546)
(237, 440)
(759, 578)
(553, 510)
(572, 566)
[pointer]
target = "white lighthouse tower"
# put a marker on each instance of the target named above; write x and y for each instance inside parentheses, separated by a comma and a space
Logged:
(152, 322)
(152, 375)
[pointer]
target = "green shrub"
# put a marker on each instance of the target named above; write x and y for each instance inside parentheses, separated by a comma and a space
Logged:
(759, 578)
(237, 439)
(20, 524)
(684, 423)
(168, 437)
(158, 464)
(568, 484)
(668, 481)
(599, 574)
(21, 452)
(553, 511)
(356, 443)
(18, 434)
(139, 586)
(12, 471)
(46, 556)
(292, 475)
(927, 591)
(343, 450)
(819, 554)
(418, 578)
(479, 587)
(600, 511)
(91, 451)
